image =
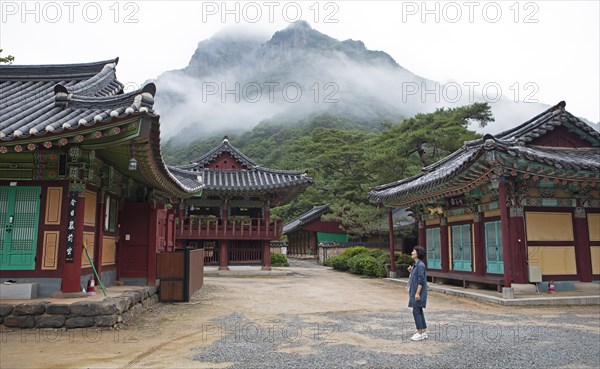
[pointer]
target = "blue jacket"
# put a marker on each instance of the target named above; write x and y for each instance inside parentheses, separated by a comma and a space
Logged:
(417, 277)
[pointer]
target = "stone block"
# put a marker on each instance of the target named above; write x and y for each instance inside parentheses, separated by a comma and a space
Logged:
(49, 321)
(146, 303)
(33, 308)
(127, 316)
(20, 291)
(591, 287)
(134, 296)
(137, 309)
(58, 309)
(80, 322)
(106, 320)
(524, 288)
(83, 308)
(152, 290)
(5, 310)
(23, 321)
(508, 293)
(121, 304)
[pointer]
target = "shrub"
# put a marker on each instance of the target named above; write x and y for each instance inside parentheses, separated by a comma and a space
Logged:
(376, 253)
(403, 259)
(279, 260)
(360, 260)
(340, 262)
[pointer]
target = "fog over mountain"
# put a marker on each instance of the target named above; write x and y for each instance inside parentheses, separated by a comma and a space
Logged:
(234, 81)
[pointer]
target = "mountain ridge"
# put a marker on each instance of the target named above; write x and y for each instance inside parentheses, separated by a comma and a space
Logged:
(234, 81)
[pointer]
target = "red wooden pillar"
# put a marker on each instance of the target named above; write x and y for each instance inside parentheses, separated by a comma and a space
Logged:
(72, 270)
(224, 215)
(315, 245)
(444, 244)
(583, 254)
(422, 234)
(152, 245)
(266, 255)
(517, 243)
(391, 235)
(267, 208)
(479, 240)
(99, 234)
(504, 221)
(223, 257)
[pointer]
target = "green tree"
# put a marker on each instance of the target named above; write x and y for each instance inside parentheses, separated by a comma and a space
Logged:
(7, 59)
(402, 150)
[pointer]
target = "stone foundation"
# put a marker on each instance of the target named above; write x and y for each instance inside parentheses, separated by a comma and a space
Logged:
(109, 312)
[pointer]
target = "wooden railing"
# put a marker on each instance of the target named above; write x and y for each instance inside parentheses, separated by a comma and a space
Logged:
(215, 228)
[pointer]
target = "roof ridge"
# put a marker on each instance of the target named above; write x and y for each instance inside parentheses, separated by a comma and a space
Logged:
(49, 72)
(219, 149)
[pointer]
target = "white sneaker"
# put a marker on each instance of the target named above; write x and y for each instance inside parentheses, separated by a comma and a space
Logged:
(425, 336)
(417, 337)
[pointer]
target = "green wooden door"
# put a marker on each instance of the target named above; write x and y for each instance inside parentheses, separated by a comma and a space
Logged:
(434, 249)
(461, 247)
(493, 248)
(19, 216)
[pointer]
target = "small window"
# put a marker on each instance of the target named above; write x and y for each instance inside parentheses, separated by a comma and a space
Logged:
(110, 214)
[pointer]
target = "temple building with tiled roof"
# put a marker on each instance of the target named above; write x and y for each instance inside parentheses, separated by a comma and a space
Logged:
(516, 208)
(80, 165)
(308, 230)
(231, 219)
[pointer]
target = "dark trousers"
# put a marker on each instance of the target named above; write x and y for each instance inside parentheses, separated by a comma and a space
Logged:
(419, 318)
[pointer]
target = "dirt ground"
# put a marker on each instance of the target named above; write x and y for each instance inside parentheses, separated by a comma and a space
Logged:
(170, 335)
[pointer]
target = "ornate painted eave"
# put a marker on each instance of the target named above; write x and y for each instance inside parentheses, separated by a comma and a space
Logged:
(472, 166)
(309, 216)
(44, 107)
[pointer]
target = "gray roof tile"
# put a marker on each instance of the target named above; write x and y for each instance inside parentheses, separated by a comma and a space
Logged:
(38, 99)
(512, 142)
(309, 216)
(254, 177)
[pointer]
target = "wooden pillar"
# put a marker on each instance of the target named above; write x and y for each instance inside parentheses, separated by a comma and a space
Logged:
(422, 234)
(223, 255)
(583, 253)
(152, 244)
(444, 244)
(517, 243)
(72, 269)
(224, 215)
(315, 245)
(479, 241)
(266, 255)
(504, 221)
(267, 212)
(100, 208)
(391, 235)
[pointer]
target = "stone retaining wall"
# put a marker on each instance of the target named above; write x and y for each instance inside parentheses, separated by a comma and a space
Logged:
(82, 314)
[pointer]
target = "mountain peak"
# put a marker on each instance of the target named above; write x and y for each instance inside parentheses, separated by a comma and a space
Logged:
(301, 35)
(301, 24)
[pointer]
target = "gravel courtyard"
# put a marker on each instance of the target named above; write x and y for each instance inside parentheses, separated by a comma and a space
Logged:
(319, 318)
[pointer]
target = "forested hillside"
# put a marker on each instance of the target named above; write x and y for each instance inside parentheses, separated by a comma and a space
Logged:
(346, 156)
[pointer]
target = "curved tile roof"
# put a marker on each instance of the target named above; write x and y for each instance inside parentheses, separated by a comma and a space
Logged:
(39, 99)
(512, 142)
(225, 146)
(254, 178)
(242, 180)
(43, 102)
(309, 216)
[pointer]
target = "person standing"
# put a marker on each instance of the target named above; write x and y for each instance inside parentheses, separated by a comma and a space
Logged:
(417, 292)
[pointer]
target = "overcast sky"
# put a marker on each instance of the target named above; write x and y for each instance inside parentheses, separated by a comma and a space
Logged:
(544, 51)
